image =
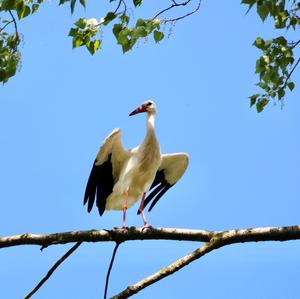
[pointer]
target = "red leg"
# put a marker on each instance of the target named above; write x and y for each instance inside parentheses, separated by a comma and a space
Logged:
(125, 208)
(141, 208)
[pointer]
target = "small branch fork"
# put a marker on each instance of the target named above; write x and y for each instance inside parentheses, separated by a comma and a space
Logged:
(176, 4)
(212, 239)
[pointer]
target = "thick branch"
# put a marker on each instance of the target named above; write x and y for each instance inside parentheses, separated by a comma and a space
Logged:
(133, 233)
(116, 235)
(213, 239)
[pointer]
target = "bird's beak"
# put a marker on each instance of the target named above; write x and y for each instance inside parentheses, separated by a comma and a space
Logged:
(142, 108)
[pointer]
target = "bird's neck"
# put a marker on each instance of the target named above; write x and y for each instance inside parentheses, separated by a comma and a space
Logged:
(150, 125)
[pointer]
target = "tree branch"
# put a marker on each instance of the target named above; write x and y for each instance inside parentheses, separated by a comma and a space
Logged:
(55, 266)
(219, 240)
(1, 29)
(116, 235)
(175, 4)
(109, 269)
(184, 16)
(164, 272)
(291, 72)
(213, 239)
(133, 233)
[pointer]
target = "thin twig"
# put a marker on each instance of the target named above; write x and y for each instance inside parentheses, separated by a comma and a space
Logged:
(6, 25)
(291, 72)
(295, 44)
(184, 16)
(117, 8)
(109, 268)
(14, 20)
(55, 266)
(172, 6)
(17, 38)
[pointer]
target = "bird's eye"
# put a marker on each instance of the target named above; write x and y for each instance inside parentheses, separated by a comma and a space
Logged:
(149, 104)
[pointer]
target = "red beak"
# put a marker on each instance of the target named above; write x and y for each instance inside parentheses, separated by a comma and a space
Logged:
(140, 109)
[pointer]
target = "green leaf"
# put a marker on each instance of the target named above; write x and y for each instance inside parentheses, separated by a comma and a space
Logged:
(72, 3)
(280, 93)
(73, 32)
(140, 22)
(77, 42)
(262, 10)
(24, 12)
(123, 37)
(139, 31)
(158, 36)
(35, 7)
(125, 19)
(61, 2)
(81, 23)
(109, 17)
(93, 46)
(116, 30)
(260, 105)
(137, 2)
(260, 65)
(9, 4)
(291, 85)
(253, 99)
(250, 3)
(259, 43)
(82, 2)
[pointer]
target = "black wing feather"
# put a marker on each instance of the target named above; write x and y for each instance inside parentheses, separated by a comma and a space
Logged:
(100, 185)
(160, 194)
(162, 186)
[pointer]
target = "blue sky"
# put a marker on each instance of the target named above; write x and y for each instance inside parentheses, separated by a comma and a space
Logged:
(243, 172)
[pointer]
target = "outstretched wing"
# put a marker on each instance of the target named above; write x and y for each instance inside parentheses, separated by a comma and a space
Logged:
(171, 169)
(105, 171)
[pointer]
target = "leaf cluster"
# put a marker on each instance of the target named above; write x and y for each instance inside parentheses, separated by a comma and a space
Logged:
(85, 32)
(10, 56)
(277, 62)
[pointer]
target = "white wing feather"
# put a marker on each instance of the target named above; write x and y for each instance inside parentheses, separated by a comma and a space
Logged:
(174, 166)
(112, 145)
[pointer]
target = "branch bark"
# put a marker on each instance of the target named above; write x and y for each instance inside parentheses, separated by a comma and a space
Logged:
(116, 235)
(213, 240)
(217, 241)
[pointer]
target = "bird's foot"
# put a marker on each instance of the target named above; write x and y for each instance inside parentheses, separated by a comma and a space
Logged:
(122, 227)
(146, 227)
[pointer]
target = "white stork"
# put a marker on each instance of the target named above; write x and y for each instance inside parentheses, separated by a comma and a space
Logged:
(120, 177)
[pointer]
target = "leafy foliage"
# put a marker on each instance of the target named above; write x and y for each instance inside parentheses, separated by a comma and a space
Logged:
(274, 67)
(277, 62)
(86, 33)
(9, 55)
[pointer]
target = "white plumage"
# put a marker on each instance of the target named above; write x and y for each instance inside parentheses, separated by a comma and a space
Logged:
(120, 177)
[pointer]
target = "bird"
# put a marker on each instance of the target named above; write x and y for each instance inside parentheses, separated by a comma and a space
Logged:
(120, 177)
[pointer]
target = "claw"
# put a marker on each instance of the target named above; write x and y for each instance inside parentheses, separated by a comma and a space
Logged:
(147, 226)
(122, 227)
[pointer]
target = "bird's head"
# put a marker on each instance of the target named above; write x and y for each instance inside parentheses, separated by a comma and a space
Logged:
(148, 106)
